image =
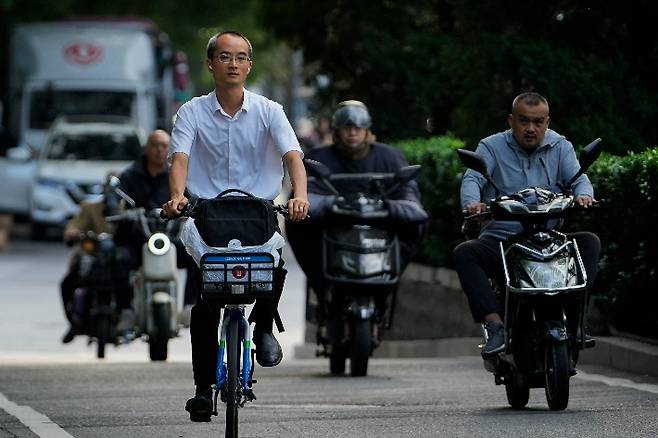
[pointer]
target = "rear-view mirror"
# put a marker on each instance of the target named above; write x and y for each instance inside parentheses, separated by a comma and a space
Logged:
(407, 173)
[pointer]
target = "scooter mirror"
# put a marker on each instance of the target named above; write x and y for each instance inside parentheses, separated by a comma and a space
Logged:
(587, 157)
(473, 161)
(113, 181)
(321, 172)
(317, 169)
(125, 197)
(590, 154)
(407, 173)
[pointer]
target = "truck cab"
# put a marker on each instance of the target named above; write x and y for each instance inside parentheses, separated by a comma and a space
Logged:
(88, 67)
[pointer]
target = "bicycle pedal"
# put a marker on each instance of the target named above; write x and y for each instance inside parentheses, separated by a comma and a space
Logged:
(249, 396)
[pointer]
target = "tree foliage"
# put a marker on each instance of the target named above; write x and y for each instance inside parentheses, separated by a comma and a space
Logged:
(432, 66)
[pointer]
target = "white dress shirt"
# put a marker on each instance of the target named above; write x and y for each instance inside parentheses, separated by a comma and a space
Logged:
(241, 152)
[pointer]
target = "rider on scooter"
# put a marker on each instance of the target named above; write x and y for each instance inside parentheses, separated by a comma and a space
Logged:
(91, 217)
(355, 151)
(528, 154)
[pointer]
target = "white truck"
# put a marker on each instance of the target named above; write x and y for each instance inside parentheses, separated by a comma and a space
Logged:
(106, 67)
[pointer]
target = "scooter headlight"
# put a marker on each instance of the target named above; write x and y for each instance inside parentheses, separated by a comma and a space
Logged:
(159, 244)
(554, 274)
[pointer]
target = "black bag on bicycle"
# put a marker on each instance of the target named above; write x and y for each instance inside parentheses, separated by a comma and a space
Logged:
(247, 218)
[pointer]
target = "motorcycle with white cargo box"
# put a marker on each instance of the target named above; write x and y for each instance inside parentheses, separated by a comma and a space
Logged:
(155, 283)
(544, 293)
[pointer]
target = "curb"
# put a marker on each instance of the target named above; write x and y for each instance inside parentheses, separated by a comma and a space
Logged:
(616, 352)
(624, 354)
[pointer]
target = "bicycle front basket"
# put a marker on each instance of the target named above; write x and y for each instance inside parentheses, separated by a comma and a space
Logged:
(237, 277)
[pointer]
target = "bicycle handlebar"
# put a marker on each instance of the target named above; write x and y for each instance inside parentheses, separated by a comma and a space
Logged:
(188, 211)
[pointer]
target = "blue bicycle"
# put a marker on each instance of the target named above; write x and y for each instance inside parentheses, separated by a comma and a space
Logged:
(235, 279)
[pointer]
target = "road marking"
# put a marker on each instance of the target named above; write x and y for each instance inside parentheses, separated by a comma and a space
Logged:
(38, 423)
(616, 381)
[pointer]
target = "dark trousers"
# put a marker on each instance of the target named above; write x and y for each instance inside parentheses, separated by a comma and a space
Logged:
(478, 260)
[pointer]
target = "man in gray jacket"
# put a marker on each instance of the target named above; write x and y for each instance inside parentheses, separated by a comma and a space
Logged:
(526, 155)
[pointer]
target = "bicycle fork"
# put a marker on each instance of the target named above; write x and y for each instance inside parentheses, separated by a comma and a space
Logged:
(246, 374)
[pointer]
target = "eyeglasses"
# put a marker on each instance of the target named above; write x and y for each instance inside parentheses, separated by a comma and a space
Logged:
(240, 58)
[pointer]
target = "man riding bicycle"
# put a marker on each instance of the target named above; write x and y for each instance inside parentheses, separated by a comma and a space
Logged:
(232, 138)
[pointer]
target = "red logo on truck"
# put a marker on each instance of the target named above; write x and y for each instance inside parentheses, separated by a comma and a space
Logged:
(83, 53)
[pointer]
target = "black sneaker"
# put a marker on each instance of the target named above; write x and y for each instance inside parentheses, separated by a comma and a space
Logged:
(69, 335)
(268, 350)
(200, 406)
(495, 339)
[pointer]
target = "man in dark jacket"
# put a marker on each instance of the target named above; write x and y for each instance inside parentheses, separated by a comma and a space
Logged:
(146, 182)
(355, 151)
(147, 179)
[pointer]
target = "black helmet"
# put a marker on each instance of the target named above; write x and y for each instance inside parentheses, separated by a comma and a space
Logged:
(351, 112)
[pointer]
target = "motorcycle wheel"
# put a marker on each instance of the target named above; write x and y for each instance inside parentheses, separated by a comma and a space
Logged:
(360, 347)
(158, 341)
(102, 334)
(517, 395)
(337, 355)
(557, 376)
(232, 379)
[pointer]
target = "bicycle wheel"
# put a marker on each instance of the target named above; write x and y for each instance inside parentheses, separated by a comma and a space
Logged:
(232, 378)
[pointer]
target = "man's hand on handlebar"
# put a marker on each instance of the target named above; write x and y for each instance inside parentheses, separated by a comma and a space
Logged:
(584, 201)
(298, 209)
(476, 208)
(174, 206)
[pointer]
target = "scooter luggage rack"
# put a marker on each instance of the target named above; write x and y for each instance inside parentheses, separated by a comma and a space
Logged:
(237, 278)
(373, 278)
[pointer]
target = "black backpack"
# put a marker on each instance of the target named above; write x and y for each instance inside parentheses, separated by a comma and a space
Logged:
(247, 218)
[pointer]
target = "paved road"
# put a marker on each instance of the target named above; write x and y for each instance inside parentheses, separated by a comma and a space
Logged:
(400, 398)
(50, 390)
(33, 321)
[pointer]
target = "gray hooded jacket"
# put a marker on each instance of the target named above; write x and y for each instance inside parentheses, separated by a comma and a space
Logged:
(512, 169)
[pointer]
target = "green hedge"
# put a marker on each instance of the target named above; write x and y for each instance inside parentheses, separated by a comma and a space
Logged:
(627, 227)
(626, 284)
(439, 184)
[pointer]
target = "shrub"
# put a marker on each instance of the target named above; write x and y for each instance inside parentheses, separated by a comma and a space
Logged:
(439, 184)
(627, 278)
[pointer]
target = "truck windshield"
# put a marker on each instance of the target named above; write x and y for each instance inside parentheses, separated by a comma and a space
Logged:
(47, 105)
(103, 147)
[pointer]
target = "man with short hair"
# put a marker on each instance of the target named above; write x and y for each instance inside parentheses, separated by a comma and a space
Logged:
(529, 154)
(147, 179)
(232, 138)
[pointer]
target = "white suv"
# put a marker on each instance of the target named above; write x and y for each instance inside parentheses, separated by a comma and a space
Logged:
(79, 153)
